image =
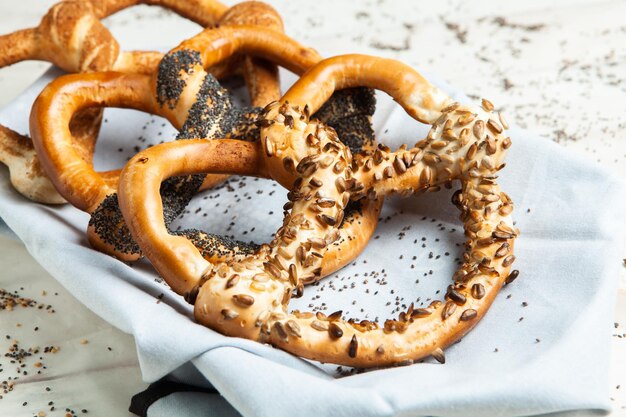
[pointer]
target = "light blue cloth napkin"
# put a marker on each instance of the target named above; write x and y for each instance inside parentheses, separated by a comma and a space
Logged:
(543, 348)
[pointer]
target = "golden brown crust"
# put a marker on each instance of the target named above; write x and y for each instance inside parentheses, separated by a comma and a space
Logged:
(74, 177)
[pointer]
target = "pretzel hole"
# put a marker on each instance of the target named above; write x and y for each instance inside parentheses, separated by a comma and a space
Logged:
(416, 249)
(244, 209)
(125, 132)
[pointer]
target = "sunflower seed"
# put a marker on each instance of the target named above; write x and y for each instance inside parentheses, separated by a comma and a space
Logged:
(498, 234)
(420, 312)
(407, 158)
(229, 314)
(293, 274)
(506, 143)
(316, 182)
(446, 159)
(334, 331)
(479, 129)
(494, 126)
(503, 250)
(448, 310)
(469, 314)
(326, 219)
(262, 318)
(293, 328)
(317, 242)
(505, 209)
(456, 296)
(471, 152)
(466, 119)
(487, 105)
(399, 165)
(352, 348)
(243, 300)
(232, 281)
(417, 157)
(439, 144)
(478, 291)
(269, 147)
(280, 331)
(378, 157)
(485, 241)
(319, 325)
(335, 316)
(425, 175)
(341, 185)
(503, 121)
(289, 121)
(260, 278)
(451, 107)
(272, 269)
(512, 276)
(508, 260)
(431, 158)
(438, 355)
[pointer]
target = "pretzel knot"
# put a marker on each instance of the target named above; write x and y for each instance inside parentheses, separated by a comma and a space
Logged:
(249, 298)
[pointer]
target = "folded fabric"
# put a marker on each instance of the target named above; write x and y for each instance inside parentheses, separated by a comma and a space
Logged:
(542, 348)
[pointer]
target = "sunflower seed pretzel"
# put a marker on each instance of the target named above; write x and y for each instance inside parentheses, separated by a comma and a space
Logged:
(249, 298)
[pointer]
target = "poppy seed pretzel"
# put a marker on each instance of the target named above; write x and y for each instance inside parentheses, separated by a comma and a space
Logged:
(250, 298)
(52, 113)
(72, 37)
(212, 113)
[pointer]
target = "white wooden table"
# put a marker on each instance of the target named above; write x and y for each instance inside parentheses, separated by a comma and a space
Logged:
(557, 68)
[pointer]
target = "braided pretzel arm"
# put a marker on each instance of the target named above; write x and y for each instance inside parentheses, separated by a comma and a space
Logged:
(72, 37)
(250, 298)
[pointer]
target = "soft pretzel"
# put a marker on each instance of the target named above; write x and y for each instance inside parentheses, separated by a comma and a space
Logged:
(184, 89)
(72, 37)
(249, 298)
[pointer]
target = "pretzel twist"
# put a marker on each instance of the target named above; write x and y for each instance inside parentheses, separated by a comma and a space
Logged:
(184, 90)
(72, 37)
(249, 298)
